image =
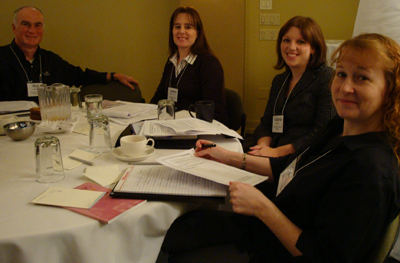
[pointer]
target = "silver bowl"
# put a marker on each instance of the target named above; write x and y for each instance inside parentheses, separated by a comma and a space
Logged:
(20, 130)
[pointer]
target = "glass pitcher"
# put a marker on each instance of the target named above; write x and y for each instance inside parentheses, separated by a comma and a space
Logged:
(54, 102)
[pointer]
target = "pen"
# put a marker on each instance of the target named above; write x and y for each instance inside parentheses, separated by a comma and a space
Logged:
(80, 160)
(208, 145)
(146, 163)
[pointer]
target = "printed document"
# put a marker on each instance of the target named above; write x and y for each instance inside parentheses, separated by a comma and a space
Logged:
(160, 179)
(19, 105)
(128, 109)
(218, 172)
(187, 126)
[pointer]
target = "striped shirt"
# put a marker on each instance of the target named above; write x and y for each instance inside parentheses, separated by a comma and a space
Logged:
(190, 59)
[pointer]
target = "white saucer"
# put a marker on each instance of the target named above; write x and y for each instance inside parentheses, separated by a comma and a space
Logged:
(118, 153)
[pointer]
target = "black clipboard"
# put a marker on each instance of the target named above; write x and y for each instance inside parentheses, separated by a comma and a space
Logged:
(165, 197)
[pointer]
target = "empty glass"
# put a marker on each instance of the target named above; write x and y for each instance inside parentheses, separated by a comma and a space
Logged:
(166, 110)
(99, 135)
(94, 106)
(49, 165)
(54, 102)
(76, 102)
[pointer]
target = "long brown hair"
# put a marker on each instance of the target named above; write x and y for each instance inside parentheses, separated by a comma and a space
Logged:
(200, 46)
(387, 52)
(312, 34)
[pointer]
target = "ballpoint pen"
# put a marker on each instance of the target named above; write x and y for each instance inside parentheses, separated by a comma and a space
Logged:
(80, 160)
(208, 145)
(145, 163)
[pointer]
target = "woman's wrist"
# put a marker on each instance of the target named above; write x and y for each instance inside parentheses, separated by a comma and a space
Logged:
(235, 159)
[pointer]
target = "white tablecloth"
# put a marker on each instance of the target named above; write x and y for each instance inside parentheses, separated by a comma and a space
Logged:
(36, 233)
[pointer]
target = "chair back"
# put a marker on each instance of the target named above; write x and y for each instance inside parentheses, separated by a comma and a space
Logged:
(380, 252)
(113, 90)
(237, 117)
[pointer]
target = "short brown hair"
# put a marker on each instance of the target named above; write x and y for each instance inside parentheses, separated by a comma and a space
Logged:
(312, 34)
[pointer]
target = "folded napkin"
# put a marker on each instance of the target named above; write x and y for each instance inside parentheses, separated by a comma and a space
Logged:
(81, 154)
(58, 126)
(103, 175)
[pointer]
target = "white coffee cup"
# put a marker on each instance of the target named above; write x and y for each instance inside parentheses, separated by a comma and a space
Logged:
(6, 119)
(134, 145)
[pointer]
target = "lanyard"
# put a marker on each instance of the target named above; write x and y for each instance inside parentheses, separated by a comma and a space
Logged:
(183, 72)
(26, 74)
(316, 159)
(283, 85)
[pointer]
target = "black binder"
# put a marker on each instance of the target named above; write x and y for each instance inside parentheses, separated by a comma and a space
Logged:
(161, 143)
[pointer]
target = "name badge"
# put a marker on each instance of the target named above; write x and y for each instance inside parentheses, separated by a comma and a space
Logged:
(277, 124)
(286, 176)
(33, 89)
(173, 94)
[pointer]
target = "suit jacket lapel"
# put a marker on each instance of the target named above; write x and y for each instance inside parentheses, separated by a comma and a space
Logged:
(305, 81)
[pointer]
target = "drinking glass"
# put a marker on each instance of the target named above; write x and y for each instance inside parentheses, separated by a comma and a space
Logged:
(166, 110)
(49, 165)
(94, 106)
(76, 102)
(99, 135)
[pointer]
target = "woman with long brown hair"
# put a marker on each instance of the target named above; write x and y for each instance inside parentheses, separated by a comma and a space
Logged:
(192, 72)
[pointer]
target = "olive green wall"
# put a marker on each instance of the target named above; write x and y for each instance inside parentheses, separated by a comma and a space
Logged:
(131, 37)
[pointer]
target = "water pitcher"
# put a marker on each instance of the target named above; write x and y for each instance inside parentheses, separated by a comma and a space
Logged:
(54, 102)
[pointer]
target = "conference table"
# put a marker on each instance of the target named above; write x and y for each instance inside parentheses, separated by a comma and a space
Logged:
(38, 233)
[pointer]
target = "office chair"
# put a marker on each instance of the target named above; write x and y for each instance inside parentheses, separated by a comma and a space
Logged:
(237, 117)
(113, 90)
(380, 252)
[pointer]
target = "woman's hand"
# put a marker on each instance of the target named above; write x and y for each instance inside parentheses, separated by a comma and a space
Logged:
(263, 150)
(216, 153)
(247, 199)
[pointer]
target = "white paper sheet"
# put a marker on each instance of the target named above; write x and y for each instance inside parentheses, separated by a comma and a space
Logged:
(19, 105)
(159, 179)
(128, 110)
(58, 196)
(103, 175)
(185, 161)
(149, 115)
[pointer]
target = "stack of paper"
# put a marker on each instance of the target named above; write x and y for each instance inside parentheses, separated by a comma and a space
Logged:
(185, 127)
(58, 196)
(186, 162)
(107, 209)
(16, 106)
(127, 109)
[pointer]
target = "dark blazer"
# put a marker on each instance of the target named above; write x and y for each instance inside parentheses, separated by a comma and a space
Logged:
(308, 108)
(204, 80)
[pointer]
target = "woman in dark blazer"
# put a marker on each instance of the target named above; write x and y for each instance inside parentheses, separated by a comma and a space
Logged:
(299, 102)
(192, 72)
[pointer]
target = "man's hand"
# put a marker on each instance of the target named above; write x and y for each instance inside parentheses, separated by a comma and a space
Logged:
(126, 80)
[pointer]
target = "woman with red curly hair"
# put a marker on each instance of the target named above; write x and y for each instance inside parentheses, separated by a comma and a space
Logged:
(335, 197)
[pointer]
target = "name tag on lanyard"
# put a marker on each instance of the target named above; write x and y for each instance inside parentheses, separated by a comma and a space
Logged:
(286, 176)
(33, 89)
(173, 94)
(277, 124)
